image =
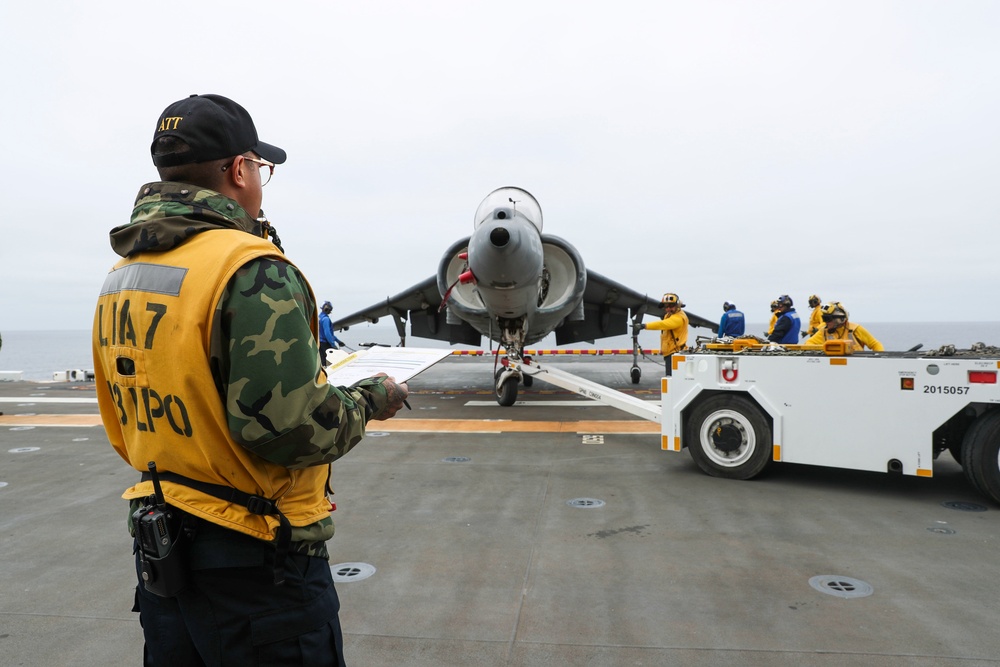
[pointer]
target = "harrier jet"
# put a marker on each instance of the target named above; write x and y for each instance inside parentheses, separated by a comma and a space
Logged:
(514, 285)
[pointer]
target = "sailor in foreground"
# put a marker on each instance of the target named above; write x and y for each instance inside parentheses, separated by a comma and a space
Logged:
(837, 327)
(209, 384)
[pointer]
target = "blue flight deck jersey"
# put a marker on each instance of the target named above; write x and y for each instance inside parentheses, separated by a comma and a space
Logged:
(731, 324)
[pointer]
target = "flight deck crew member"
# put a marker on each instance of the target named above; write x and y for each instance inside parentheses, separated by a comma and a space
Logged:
(786, 329)
(207, 364)
(732, 323)
(836, 327)
(673, 328)
(774, 317)
(327, 338)
(815, 317)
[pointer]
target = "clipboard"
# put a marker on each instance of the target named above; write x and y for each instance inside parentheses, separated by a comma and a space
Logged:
(399, 363)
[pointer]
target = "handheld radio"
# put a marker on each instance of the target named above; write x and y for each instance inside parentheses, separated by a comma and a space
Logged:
(158, 533)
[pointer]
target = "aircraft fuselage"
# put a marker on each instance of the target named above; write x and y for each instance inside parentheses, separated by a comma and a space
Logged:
(509, 281)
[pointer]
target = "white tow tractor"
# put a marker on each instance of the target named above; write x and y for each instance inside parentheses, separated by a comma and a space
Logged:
(742, 405)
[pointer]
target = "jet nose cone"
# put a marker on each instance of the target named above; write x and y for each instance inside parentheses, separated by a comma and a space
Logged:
(500, 237)
(506, 255)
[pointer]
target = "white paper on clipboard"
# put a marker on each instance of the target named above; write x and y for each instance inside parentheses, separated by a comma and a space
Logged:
(400, 363)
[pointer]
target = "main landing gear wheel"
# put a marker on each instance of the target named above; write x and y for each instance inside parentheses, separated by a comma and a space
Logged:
(636, 374)
(506, 392)
(981, 455)
(729, 437)
(527, 380)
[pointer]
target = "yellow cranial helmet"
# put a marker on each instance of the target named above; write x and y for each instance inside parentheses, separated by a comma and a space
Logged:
(671, 299)
(833, 309)
(814, 301)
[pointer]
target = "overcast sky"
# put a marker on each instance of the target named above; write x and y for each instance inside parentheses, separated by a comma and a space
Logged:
(720, 150)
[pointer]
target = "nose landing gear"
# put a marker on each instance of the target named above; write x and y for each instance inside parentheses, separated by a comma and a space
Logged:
(635, 372)
(506, 386)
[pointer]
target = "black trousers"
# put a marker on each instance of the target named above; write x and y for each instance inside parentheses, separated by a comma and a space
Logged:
(232, 613)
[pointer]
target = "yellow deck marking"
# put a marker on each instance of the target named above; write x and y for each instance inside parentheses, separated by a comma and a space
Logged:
(404, 425)
(492, 426)
(50, 420)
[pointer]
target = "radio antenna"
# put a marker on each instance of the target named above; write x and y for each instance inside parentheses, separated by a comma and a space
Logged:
(161, 503)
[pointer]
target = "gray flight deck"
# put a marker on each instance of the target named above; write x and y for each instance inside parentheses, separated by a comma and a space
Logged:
(506, 536)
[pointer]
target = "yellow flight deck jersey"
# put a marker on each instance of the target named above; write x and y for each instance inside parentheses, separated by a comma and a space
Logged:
(673, 332)
(156, 393)
(815, 320)
(855, 333)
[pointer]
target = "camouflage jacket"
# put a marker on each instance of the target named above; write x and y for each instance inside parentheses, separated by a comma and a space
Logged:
(279, 411)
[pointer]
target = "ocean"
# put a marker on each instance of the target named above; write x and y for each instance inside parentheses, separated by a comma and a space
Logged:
(39, 354)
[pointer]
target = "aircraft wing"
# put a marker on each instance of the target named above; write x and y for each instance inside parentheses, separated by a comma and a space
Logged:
(608, 308)
(418, 304)
(421, 296)
(602, 289)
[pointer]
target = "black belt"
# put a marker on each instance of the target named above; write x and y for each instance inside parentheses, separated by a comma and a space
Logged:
(254, 504)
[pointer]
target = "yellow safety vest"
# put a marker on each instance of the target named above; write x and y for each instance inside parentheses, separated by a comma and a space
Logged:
(815, 320)
(847, 334)
(156, 393)
(674, 339)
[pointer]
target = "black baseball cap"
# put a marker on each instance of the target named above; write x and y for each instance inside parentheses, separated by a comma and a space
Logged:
(214, 127)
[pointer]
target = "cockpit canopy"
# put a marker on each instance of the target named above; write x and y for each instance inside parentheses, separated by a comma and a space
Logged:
(505, 203)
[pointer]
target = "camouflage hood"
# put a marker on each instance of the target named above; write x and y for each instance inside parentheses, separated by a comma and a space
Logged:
(165, 214)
